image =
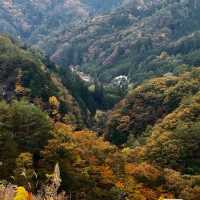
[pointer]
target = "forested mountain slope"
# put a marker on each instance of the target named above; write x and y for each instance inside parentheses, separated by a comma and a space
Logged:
(145, 148)
(174, 141)
(164, 162)
(25, 73)
(34, 20)
(149, 103)
(140, 40)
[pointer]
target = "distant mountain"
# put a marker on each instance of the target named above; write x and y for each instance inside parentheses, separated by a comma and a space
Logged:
(143, 39)
(32, 19)
(96, 6)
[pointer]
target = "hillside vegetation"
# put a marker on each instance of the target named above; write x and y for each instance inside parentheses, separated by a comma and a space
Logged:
(157, 123)
(91, 168)
(110, 110)
(25, 73)
(140, 40)
(149, 103)
(33, 20)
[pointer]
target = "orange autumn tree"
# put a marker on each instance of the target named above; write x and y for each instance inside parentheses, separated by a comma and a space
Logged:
(83, 157)
(97, 167)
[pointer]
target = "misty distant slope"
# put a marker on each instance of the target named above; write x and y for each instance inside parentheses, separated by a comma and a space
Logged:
(130, 40)
(33, 19)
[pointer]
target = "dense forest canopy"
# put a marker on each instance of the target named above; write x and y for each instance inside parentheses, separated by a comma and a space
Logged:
(99, 100)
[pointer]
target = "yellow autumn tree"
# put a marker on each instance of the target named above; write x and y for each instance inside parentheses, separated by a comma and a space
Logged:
(54, 103)
(21, 194)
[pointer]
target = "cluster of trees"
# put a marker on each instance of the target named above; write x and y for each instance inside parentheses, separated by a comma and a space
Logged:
(26, 73)
(158, 123)
(150, 141)
(129, 41)
(23, 128)
(92, 168)
(175, 141)
(149, 103)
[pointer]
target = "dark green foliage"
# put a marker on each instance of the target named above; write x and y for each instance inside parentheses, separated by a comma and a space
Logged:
(38, 79)
(26, 124)
(8, 154)
(99, 97)
(78, 89)
(23, 128)
(13, 60)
